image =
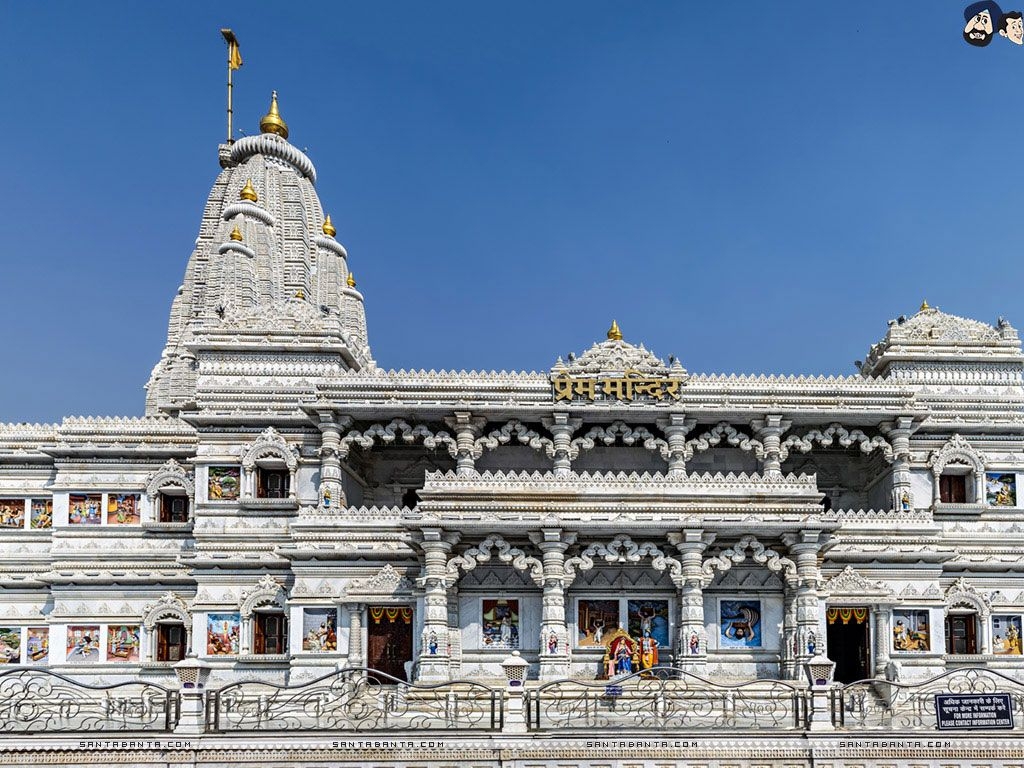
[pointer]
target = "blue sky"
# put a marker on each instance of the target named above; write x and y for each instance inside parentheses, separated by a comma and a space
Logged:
(753, 187)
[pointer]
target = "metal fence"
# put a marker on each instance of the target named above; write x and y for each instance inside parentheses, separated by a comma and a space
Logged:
(355, 700)
(665, 698)
(876, 704)
(34, 701)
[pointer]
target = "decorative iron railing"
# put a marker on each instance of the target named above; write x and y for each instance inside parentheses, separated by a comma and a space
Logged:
(355, 700)
(869, 704)
(666, 698)
(36, 700)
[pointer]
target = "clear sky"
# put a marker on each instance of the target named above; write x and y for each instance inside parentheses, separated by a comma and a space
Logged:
(751, 186)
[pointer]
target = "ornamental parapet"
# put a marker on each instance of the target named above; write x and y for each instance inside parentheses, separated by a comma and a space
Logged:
(641, 499)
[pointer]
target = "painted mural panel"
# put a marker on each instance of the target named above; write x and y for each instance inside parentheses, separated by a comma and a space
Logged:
(1006, 633)
(37, 645)
(83, 646)
(12, 513)
(84, 509)
(42, 513)
(123, 642)
(740, 624)
(500, 624)
(319, 630)
(10, 645)
(122, 509)
(649, 616)
(595, 620)
(1001, 489)
(222, 634)
(224, 483)
(910, 630)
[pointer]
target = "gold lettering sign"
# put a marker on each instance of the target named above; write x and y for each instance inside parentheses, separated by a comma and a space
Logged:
(629, 387)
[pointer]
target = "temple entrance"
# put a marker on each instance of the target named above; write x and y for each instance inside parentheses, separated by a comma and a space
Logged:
(848, 644)
(389, 640)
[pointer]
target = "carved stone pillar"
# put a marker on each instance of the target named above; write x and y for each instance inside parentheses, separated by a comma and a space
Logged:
(434, 653)
(554, 635)
(810, 639)
(467, 429)
(691, 643)
(769, 431)
(355, 634)
(788, 664)
(562, 428)
(899, 437)
(454, 638)
(332, 492)
(675, 427)
(883, 639)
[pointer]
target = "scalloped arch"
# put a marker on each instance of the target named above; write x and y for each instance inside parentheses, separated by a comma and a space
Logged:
(956, 449)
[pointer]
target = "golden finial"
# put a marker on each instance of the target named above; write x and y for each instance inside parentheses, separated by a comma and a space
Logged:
(248, 192)
(614, 334)
(236, 234)
(328, 228)
(351, 281)
(924, 306)
(300, 294)
(272, 122)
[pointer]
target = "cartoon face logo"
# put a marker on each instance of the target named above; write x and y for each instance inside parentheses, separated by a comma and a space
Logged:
(1012, 27)
(978, 30)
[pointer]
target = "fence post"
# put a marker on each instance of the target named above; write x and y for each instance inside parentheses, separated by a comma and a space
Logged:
(515, 674)
(192, 676)
(819, 671)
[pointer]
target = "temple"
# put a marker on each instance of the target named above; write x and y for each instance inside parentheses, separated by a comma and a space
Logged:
(287, 507)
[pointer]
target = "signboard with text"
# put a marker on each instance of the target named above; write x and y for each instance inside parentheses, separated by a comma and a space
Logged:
(973, 711)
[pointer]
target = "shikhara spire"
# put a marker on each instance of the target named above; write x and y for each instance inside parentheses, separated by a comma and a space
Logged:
(266, 274)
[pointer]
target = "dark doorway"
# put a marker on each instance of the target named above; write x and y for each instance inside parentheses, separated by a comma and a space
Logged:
(848, 644)
(389, 639)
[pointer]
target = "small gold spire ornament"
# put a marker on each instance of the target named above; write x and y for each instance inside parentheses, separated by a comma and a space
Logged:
(272, 121)
(328, 228)
(236, 234)
(300, 294)
(248, 192)
(350, 281)
(614, 334)
(924, 306)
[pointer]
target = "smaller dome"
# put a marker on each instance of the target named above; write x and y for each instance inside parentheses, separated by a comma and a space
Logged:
(328, 227)
(248, 192)
(236, 234)
(614, 334)
(272, 121)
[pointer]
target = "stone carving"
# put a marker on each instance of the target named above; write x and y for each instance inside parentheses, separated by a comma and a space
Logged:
(483, 552)
(387, 582)
(714, 436)
(832, 434)
(961, 594)
(170, 606)
(615, 356)
(849, 582)
(266, 591)
(956, 451)
(518, 431)
(619, 431)
(173, 474)
(270, 443)
(737, 553)
(387, 434)
(622, 549)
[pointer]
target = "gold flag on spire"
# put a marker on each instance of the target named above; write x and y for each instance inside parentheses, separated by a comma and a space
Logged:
(234, 52)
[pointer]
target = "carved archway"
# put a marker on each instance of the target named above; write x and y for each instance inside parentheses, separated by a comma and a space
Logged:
(270, 445)
(622, 549)
(962, 597)
(171, 475)
(506, 553)
(619, 431)
(958, 451)
(836, 433)
(397, 429)
(738, 553)
(169, 608)
(266, 593)
(727, 432)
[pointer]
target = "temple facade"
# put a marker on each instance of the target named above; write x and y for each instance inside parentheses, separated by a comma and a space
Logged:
(287, 507)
